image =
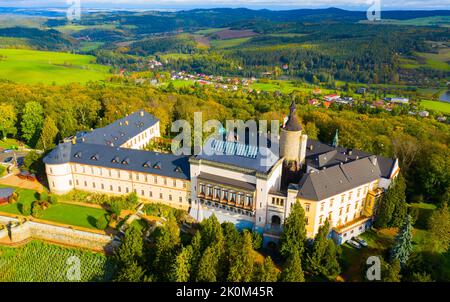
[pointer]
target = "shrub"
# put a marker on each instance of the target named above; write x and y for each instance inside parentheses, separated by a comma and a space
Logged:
(257, 240)
(43, 196)
(38, 208)
(53, 199)
(25, 209)
(14, 198)
(101, 223)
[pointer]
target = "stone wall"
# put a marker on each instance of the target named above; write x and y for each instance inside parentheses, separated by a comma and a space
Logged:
(59, 235)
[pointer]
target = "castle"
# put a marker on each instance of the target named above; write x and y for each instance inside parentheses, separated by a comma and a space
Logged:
(331, 182)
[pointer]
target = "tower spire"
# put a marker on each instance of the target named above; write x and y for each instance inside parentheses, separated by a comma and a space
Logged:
(336, 139)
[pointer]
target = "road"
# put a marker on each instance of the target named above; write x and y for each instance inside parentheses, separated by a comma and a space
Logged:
(20, 155)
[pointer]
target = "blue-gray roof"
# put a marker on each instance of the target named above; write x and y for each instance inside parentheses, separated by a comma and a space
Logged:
(238, 155)
(117, 133)
(163, 164)
(6, 192)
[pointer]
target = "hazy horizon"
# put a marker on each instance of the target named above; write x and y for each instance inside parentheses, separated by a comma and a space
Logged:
(357, 5)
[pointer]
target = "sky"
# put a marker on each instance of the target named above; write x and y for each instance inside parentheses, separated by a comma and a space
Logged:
(256, 4)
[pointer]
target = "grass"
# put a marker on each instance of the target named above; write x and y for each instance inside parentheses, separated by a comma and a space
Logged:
(443, 107)
(9, 143)
(63, 213)
(74, 215)
(90, 46)
(25, 197)
(221, 44)
(208, 31)
(31, 66)
(2, 170)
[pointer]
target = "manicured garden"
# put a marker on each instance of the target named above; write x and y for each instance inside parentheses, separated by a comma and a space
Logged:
(65, 213)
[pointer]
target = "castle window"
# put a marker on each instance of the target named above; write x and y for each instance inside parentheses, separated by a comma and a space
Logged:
(85, 183)
(160, 196)
(77, 155)
(217, 193)
(174, 182)
(343, 198)
(103, 186)
(95, 156)
(350, 196)
(330, 216)
(76, 182)
(321, 206)
(165, 181)
(306, 220)
(331, 202)
(340, 211)
(157, 166)
(115, 160)
(150, 194)
(119, 189)
(111, 188)
(170, 197)
(233, 196)
(359, 192)
(142, 193)
(127, 190)
(307, 207)
(249, 200)
(180, 199)
(155, 180)
(348, 209)
(93, 185)
(70, 182)
(225, 195)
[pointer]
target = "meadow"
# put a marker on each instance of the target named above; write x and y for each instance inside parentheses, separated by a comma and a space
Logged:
(436, 106)
(31, 66)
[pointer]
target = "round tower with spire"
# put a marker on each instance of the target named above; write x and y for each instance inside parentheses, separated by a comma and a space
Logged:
(290, 137)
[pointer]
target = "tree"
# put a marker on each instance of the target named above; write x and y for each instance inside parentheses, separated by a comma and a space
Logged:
(48, 134)
(241, 267)
(132, 272)
(393, 207)
(267, 272)
(166, 247)
(196, 245)
(131, 249)
(322, 259)
(294, 232)
(403, 242)
(439, 227)
(211, 232)
(292, 270)
(32, 121)
(390, 272)
(208, 266)
(181, 268)
(8, 120)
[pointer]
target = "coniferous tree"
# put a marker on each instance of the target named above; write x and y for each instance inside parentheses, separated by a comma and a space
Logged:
(241, 267)
(166, 247)
(196, 245)
(393, 208)
(292, 270)
(208, 266)
(294, 232)
(132, 272)
(439, 227)
(266, 272)
(403, 242)
(322, 258)
(391, 271)
(181, 268)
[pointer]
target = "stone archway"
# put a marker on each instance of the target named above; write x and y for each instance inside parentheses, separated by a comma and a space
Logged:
(275, 221)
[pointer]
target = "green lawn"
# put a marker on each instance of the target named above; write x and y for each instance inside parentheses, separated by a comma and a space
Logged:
(443, 107)
(25, 197)
(31, 66)
(63, 213)
(74, 215)
(9, 143)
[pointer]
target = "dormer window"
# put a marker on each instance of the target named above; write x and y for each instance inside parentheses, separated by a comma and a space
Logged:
(147, 164)
(126, 161)
(77, 155)
(95, 156)
(157, 165)
(178, 170)
(115, 160)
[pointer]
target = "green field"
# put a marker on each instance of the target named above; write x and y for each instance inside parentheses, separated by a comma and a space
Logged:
(209, 31)
(228, 43)
(443, 107)
(42, 262)
(427, 21)
(31, 66)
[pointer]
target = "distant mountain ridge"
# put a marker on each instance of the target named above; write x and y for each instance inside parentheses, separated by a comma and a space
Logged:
(246, 13)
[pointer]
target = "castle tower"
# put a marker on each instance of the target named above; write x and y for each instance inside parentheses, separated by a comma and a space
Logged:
(292, 143)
